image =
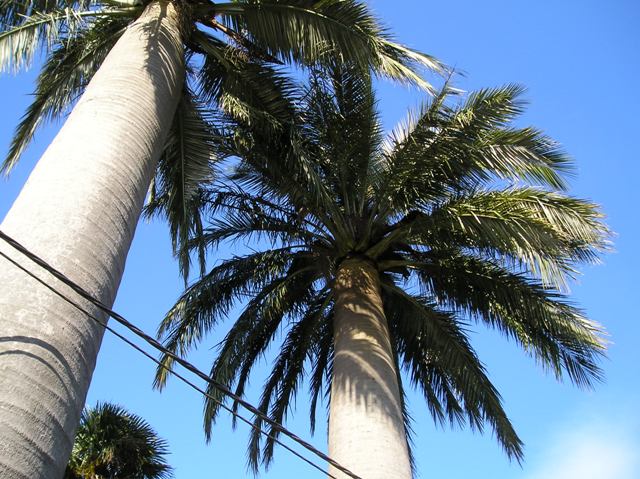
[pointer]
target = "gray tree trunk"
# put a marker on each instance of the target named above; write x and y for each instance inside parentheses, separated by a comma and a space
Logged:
(366, 428)
(78, 211)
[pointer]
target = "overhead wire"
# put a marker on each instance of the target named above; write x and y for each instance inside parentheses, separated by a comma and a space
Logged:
(156, 345)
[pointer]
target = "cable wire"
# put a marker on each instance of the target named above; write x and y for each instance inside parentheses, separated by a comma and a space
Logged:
(156, 345)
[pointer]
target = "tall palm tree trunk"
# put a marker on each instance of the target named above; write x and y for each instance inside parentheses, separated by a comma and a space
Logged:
(366, 427)
(79, 210)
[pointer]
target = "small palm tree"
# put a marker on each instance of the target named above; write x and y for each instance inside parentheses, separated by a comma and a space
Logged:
(112, 443)
(384, 253)
(144, 80)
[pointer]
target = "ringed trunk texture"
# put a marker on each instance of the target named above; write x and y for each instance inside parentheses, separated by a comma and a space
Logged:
(78, 211)
(366, 427)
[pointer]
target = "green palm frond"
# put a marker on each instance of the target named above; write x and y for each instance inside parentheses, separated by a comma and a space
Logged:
(315, 32)
(184, 170)
(399, 62)
(345, 130)
(556, 333)
(321, 367)
(210, 299)
(245, 88)
(256, 225)
(14, 12)
(66, 72)
(286, 376)
(443, 364)
(254, 330)
(544, 231)
(43, 31)
(446, 148)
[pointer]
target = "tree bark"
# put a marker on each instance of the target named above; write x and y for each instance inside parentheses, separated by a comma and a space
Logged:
(78, 211)
(366, 427)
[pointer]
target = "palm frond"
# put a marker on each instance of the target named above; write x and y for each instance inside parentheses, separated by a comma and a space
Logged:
(210, 299)
(342, 123)
(14, 12)
(444, 149)
(255, 224)
(402, 64)
(66, 72)
(185, 169)
(321, 367)
(545, 231)
(316, 32)
(43, 31)
(280, 388)
(442, 363)
(246, 89)
(254, 330)
(545, 325)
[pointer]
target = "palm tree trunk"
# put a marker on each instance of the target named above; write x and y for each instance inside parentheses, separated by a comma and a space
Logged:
(79, 210)
(366, 427)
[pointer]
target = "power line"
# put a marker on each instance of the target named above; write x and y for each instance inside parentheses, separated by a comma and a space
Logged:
(156, 345)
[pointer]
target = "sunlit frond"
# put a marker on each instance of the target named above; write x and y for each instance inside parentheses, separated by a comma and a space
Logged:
(316, 32)
(544, 231)
(43, 31)
(61, 81)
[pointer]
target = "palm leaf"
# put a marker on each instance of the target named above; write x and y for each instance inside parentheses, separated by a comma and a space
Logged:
(253, 332)
(544, 231)
(554, 332)
(43, 31)
(185, 169)
(285, 377)
(246, 89)
(210, 299)
(310, 32)
(443, 364)
(66, 72)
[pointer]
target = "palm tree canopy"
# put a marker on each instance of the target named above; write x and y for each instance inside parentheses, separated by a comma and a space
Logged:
(235, 54)
(112, 443)
(463, 215)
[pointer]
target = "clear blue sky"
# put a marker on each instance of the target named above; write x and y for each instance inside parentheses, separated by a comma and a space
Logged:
(579, 60)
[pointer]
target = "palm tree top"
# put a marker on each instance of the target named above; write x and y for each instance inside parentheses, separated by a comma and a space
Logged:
(112, 443)
(462, 215)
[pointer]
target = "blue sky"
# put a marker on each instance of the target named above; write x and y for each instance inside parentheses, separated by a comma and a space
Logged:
(579, 61)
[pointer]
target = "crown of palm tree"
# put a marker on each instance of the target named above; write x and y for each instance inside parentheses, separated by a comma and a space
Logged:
(112, 443)
(462, 215)
(234, 53)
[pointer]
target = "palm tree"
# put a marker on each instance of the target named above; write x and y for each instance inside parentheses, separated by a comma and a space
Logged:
(381, 257)
(112, 443)
(149, 76)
